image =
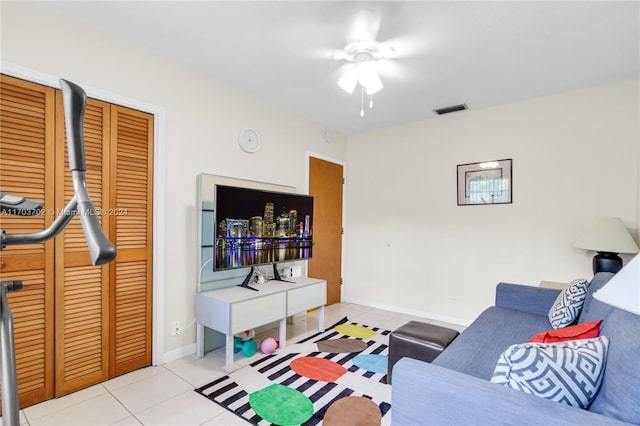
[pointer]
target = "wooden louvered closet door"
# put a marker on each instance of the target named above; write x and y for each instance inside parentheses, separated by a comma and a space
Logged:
(82, 290)
(76, 324)
(27, 122)
(131, 231)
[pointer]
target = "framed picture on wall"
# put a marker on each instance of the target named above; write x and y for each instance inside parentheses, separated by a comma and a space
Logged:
(488, 182)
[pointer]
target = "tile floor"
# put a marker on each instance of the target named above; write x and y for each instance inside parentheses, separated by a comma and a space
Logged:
(163, 395)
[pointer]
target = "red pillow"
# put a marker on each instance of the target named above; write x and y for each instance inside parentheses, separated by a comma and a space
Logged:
(587, 330)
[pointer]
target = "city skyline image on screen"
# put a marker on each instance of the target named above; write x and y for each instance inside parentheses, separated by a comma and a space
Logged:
(256, 227)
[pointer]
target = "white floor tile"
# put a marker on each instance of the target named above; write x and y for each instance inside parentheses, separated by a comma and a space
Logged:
(129, 421)
(134, 376)
(333, 317)
(300, 328)
(354, 307)
(371, 319)
(413, 318)
(200, 371)
(153, 390)
(457, 327)
(188, 408)
(101, 410)
(393, 323)
(51, 406)
(173, 364)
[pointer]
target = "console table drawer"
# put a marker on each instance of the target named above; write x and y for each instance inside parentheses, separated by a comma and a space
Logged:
(302, 299)
(253, 313)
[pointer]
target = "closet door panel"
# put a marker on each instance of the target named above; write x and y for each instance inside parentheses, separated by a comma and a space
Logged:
(82, 290)
(75, 324)
(27, 122)
(131, 230)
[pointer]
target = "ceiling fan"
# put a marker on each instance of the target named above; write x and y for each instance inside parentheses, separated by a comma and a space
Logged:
(362, 53)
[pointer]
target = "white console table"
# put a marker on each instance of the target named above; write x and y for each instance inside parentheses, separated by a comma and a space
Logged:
(233, 310)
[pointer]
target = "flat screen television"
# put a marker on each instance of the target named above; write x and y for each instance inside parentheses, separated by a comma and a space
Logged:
(256, 227)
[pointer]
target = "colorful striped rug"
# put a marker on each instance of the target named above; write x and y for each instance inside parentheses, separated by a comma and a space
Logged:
(336, 377)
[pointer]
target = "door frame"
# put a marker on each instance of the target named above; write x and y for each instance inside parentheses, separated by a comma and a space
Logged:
(309, 155)
(159, 181)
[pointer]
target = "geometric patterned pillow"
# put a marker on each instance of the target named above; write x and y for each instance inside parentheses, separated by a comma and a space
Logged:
(568, 372)
(568, 304)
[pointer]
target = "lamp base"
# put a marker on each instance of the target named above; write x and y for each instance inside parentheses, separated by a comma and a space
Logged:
(606, 261)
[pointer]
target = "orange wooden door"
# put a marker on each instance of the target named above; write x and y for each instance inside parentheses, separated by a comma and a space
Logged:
(77, 324)
(27, 124)
(325, 184)
(103, 314)
(131, 231)
(82, 290)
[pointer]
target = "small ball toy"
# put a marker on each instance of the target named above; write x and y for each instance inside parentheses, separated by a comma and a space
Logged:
(268, 345)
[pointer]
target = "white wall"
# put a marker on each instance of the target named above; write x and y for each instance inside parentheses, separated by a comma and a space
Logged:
(410, 247)
(203, 119)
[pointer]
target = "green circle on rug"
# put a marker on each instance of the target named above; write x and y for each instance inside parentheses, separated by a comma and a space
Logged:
(281, 405)
(374, 363)
(353, 330)
(353, 410)
(342, 345)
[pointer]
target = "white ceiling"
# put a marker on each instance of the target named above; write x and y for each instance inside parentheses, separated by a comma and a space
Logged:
(479, 53)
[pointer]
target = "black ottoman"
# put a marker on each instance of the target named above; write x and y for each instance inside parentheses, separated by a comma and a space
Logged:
(418, 340)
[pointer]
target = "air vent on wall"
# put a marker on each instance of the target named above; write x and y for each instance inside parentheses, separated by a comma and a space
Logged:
(450, 109)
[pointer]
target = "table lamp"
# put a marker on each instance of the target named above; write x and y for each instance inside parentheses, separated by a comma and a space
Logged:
(607, 236)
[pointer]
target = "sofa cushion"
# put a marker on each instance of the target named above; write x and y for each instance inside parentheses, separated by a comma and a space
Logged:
(476, 350)
(597, 282)
(587, 330)
(566, 309)
(619, 393)
(567, 372)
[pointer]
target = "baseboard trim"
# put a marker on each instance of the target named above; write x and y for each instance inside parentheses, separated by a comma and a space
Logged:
(412, 312)
(175, 354)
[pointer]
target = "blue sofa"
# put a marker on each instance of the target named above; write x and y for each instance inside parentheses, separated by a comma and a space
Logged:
(455, 389)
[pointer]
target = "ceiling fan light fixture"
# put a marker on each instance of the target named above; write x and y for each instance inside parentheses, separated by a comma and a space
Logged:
(373, 50)
(362, 54)
(369, 78)
(349, 80)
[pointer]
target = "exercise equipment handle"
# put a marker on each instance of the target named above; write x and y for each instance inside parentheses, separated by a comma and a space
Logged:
(52, 231)
(74, 99)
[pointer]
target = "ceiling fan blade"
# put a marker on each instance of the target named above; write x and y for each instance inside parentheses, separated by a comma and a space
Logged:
(364, 26)
(339, 55)
(406, 47)
(393, 70)
(320, 53)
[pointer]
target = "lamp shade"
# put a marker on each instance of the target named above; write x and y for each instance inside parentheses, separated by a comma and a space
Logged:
(349, 80)
(369, 78)
(607, 234)
(623, 290)
(363, 73)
